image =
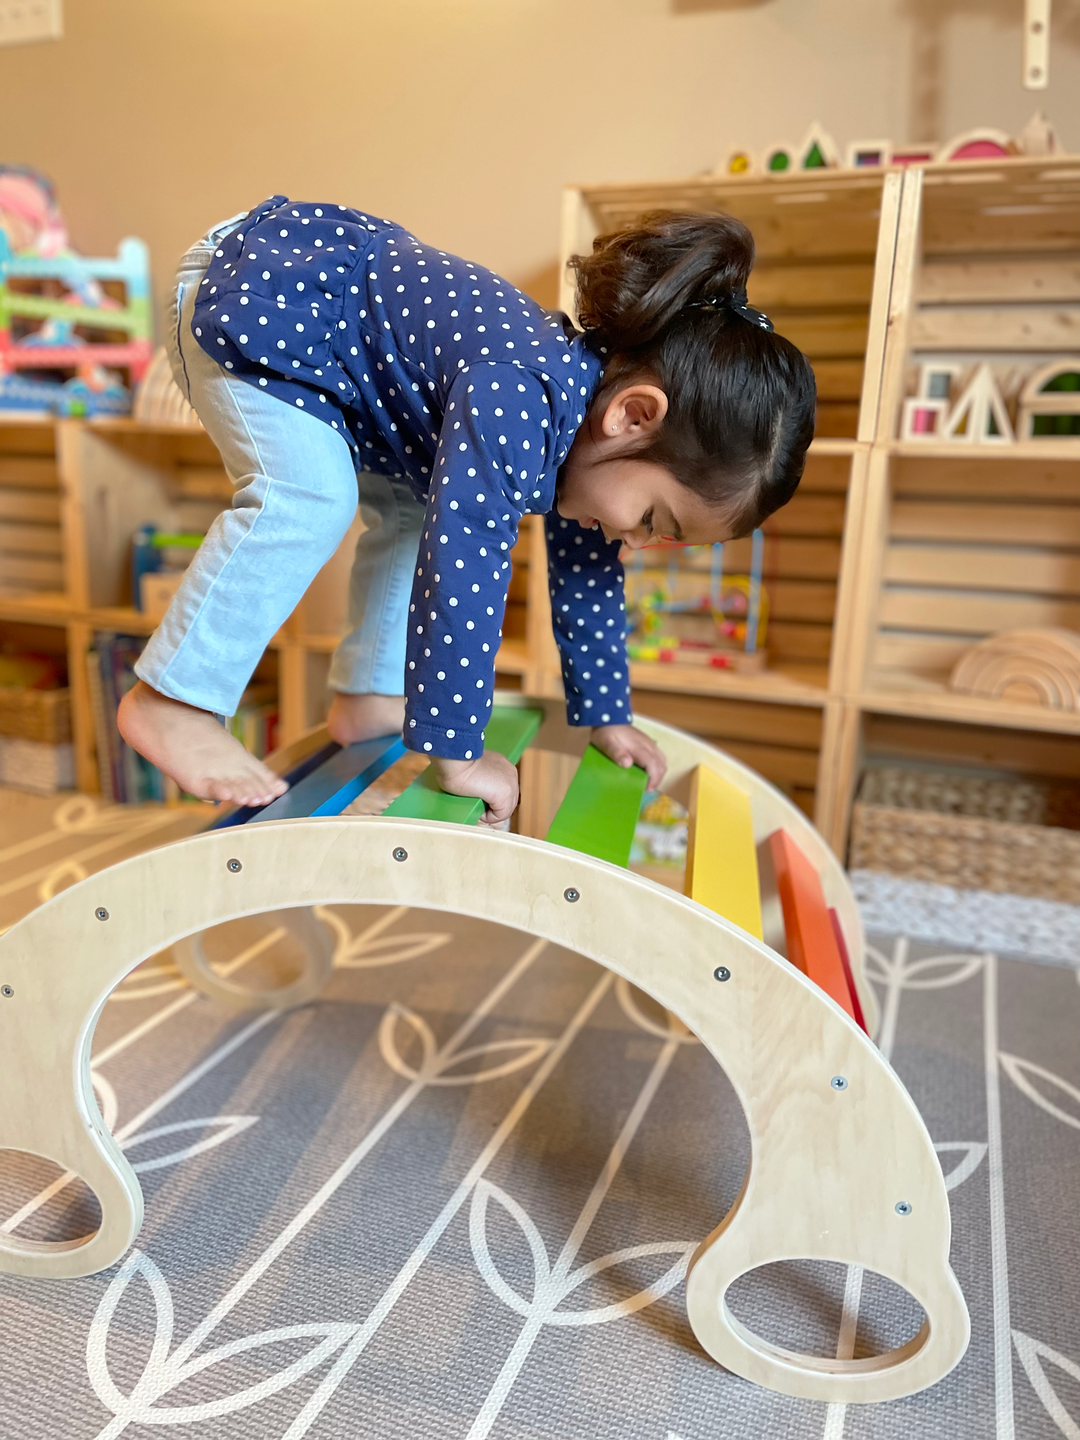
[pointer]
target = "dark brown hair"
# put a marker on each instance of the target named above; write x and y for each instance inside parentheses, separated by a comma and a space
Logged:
(653, 301)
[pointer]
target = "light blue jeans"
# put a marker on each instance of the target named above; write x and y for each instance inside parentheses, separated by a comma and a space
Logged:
(296, 494)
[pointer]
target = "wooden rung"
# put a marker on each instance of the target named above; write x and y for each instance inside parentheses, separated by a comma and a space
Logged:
(328, 788)
(811, 939)
(600, 810)
(721, 858)
(841, 945)
(509, 732)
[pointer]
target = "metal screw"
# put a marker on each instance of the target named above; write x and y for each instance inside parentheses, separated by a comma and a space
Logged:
(401, 853)
(571, 894)
(6, 991)
(903, 1207)
(721, 973)
(101, 913)
(233, 865)
(838, 1082)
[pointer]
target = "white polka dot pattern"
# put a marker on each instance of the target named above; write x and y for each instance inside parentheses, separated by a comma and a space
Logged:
(439, 373)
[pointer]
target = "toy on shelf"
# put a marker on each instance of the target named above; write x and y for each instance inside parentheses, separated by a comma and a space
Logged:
(842, 1167)
(1050, 401)
(926, 411)
(867, 153)
(979, 416)
(979, 144)
(693, 613)
(1027, 667)
(63, 334)
(819, 151)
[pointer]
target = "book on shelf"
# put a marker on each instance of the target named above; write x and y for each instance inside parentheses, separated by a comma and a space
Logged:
(125, 777)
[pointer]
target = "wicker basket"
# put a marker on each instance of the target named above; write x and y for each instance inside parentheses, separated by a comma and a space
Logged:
(970, 831)
(40, 715)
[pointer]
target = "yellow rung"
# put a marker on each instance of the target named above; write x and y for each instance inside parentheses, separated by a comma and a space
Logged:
(721, 858)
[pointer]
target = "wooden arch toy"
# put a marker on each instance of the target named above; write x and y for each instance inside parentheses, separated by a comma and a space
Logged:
(842, 1167)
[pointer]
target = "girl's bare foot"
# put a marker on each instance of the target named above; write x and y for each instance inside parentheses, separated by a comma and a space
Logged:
(191, 747)
(363, 717)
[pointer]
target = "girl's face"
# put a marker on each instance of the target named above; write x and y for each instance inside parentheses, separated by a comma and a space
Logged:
(635, 501)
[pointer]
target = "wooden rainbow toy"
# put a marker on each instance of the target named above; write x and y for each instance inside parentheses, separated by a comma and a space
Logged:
(842, 1167)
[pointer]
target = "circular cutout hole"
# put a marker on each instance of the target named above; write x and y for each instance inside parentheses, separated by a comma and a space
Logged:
(799, 1305)
(46, 1203)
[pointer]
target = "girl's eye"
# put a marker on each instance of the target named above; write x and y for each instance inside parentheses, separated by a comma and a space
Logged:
(647, 520)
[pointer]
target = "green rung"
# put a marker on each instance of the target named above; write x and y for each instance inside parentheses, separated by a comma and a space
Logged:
(601, 809)
(509, 731)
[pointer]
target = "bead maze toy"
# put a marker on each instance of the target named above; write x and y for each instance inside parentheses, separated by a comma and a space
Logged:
(842, 1167)
(688, 614)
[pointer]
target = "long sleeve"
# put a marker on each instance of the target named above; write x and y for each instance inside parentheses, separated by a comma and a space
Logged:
(588, 614)
(497, 455)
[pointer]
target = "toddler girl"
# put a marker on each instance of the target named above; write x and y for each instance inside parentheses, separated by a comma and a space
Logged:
(334, 359)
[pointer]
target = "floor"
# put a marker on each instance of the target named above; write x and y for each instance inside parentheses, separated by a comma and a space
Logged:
(455, 1197)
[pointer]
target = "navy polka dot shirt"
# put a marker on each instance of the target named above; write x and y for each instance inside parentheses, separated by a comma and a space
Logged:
(438, 373)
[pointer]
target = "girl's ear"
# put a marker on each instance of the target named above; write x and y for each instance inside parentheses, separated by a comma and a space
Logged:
(637, 410)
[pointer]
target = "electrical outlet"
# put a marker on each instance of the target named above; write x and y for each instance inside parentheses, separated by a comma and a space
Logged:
(24, 20)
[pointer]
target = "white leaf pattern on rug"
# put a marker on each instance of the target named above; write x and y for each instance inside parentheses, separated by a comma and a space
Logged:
(1020, 1071)
(221, 1127)
(974, 1154)
(164, 1372)
(434, 1068)
(1032, 1353)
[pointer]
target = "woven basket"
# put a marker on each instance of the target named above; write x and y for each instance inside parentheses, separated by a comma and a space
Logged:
(40, 715)
(912, 836)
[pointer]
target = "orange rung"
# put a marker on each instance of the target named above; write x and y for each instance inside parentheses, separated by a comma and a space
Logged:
(811, 939)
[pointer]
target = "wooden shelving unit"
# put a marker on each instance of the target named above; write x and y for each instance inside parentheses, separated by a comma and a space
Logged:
(825, 251)
(960, 540)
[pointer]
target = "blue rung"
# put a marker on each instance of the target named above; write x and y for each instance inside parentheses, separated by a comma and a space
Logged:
(241, 814)
(336, 782)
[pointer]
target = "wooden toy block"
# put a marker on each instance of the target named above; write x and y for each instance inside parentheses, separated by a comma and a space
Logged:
(721, 860)
(1050, 400)
(1026, 667)
(842, 1169)
(811, 940)
(979, 416)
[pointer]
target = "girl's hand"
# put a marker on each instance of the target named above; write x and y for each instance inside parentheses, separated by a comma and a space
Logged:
(490, 778)
(629, 746)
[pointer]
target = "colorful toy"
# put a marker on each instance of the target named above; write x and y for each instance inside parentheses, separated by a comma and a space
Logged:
(737, 608)
(56, 313)
(842, 1167)
(1050, 401)
(980, 144)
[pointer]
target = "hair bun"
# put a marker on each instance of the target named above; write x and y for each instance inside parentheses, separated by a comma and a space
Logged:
(637, 280)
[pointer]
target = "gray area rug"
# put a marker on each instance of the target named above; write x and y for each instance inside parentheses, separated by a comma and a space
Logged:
(455, 1198)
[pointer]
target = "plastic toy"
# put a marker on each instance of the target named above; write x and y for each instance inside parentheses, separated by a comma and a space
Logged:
(842, 1166)
(55, 312)
(736, 605)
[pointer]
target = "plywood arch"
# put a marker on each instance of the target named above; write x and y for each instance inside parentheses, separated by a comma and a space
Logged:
(829, 1165)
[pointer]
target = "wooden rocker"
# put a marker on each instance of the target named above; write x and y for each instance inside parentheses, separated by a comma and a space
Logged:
(842, 1168)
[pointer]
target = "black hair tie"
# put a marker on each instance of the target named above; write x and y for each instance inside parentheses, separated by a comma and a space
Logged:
(736, 301)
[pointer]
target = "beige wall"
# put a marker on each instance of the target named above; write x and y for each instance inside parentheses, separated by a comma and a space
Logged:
(463, 118)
